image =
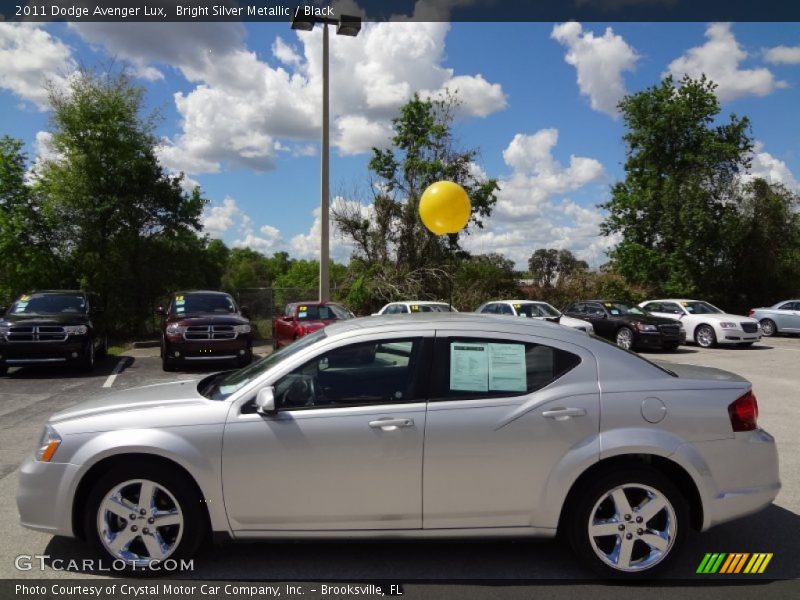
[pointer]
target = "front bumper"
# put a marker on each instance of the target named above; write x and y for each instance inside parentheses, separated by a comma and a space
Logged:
(21, 354)
(737, 336)
(209, 350)
(655, 339)
(44, 498)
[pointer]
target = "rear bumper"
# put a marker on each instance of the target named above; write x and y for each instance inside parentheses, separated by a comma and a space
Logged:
(736, 476)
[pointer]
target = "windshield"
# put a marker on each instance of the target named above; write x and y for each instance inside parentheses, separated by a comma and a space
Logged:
(540, 309)
(618, 308)
(185, 304)
(49, 304)
(700, 308)
(222, 385)
(331, 312)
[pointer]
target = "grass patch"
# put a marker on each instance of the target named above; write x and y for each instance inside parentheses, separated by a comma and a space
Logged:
(119, 350)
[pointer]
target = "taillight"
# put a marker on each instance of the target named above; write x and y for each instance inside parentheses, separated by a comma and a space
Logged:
(744, 413)
(750, 312)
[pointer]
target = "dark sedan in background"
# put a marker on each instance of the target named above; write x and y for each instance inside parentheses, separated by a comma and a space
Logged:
(52, 327)
(629, 326)
(202, 326)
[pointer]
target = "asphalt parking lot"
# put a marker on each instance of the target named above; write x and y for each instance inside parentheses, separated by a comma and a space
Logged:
(29, 396)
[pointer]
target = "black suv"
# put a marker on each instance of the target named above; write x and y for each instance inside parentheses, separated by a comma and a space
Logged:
(629, 326)
(52, 327)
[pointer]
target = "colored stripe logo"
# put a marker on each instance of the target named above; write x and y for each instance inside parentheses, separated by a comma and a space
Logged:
(734, 563)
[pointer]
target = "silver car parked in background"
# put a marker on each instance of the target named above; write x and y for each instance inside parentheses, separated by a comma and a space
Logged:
(783, 317)
(437, 425)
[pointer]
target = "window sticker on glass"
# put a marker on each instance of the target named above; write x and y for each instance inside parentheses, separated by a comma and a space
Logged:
(303, 308)
(469, 367)
(507, 371)
(24, 298)
(302, 314)
(21, 306)
(415, 308)
(614, 311)
(179, 309)
(608, 305)
(179, 298)
(180, 302)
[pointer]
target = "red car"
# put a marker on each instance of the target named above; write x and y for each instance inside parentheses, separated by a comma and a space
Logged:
(301, 318)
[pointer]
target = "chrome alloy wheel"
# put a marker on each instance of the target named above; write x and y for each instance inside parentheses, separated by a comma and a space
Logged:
(140, 521)
(705, 336)
(632, 527)
(767, 327)
(625, 338)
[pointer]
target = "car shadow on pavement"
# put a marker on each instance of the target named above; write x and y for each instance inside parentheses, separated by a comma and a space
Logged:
(500, 561)
(103, 367)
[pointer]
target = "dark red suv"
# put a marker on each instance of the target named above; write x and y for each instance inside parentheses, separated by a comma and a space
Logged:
(204, 326)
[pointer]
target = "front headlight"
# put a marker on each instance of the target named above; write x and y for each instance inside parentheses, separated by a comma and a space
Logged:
(241, 328)
(174, 328)
(48, 444)
(646, 327)
(76, 329)
(727, 325)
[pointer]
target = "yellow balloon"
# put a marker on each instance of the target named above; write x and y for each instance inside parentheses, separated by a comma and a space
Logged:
(444, 207)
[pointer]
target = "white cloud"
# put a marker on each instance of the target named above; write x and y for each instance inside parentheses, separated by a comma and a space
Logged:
(243, 107)
(218, 220)
(306, 245)
(788, 55)
(774, 170)
(531, 211)
(30, 58)
(599, 61)
(719, 59)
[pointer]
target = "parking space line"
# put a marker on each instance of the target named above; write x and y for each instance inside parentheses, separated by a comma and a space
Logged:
(117, 370)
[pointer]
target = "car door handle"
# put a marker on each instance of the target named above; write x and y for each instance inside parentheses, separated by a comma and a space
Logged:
(391, 424)
(562, 414)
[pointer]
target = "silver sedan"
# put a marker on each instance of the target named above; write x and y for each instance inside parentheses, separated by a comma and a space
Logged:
(426, 426)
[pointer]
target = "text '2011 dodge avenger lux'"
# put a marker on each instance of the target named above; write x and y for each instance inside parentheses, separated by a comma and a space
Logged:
(325, 438)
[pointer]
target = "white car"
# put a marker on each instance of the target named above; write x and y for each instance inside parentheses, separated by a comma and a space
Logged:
(705, 324)
(533, 309)
(414, 306)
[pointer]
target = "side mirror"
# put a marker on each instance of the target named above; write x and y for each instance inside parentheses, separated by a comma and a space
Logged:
(245, 311)
(161, 312)
(265, 401)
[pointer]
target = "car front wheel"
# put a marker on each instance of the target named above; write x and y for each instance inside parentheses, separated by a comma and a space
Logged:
(705, 336)
(625, 338)
(87, 362)
(628, 523)
(768, 327)
(144, 515)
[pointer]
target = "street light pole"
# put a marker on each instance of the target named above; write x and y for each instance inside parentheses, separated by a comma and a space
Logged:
(324, 249)
(350, 26)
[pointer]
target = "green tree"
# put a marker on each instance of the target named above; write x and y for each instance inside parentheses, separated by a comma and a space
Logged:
(767, 256)
(118, 219)
(394, 255)
(548, 265)
(676, 208)
(482, 278)
(26, 259)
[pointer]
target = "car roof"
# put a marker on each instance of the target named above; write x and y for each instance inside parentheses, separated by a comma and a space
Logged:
(202, 292)
(674, 300)
(464, 322)
(418, 302)
(59, 292)
(519, 301)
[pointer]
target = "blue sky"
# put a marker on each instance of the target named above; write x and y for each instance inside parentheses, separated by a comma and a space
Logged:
(240, 110)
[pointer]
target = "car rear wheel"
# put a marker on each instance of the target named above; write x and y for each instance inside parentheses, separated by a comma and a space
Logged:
(705, 336)
(628, 523)
(144, 514)
(625, 338)
(768, 327)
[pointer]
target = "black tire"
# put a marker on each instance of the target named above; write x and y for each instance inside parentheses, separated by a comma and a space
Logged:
(768, 327)
(246, 359)
(167, 363)
(88, 357)
(590, 496)
(103, 350)
(705, 337)
(184, 495)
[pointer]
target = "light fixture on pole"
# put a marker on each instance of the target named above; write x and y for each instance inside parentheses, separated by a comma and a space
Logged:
(349, 26)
